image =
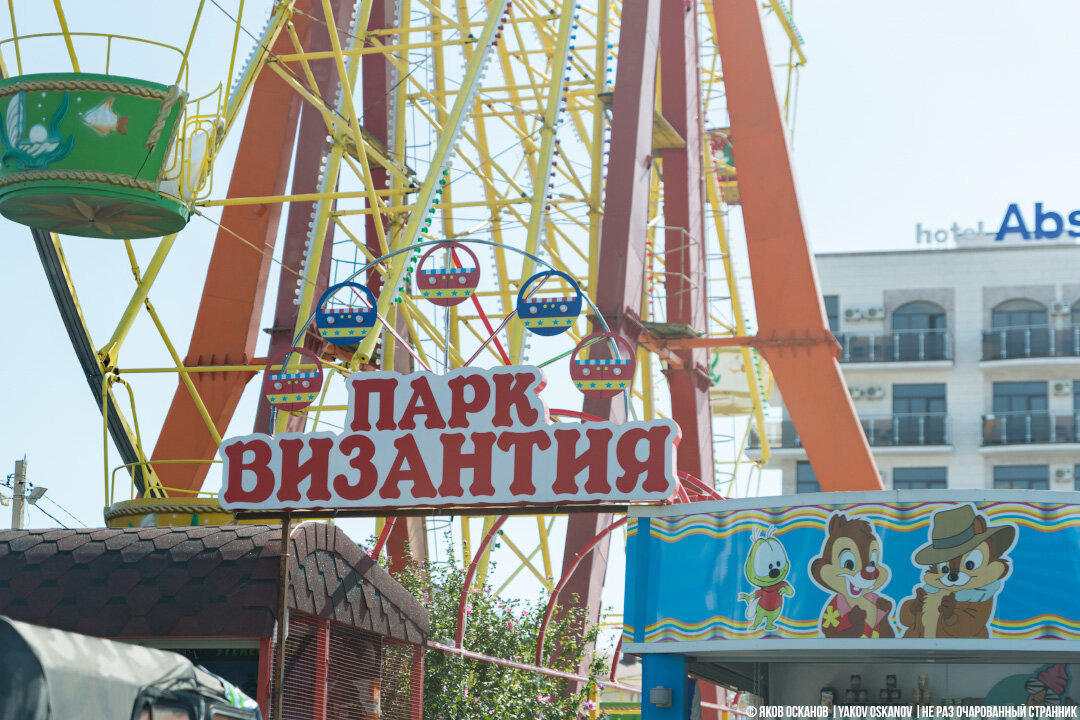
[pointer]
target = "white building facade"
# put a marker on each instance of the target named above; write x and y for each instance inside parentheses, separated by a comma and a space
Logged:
(963, 364)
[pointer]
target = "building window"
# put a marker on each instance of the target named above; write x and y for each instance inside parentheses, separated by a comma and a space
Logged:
(1076, 477)
(920, 478)
(832, 312)
(1020, 397)
(1018, 314)
(921, 398)
(918, 315)
(919, 414)
(1022, 477)
(919, 331)
(1019, 329)
(805, 480)
(1020, 414)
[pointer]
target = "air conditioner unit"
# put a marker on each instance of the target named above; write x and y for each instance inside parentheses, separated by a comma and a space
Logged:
(875, 313)
(856, 392)
(1062, 308)
(853, 314)
(875, 393)
(1063, 472)
(1062, 387)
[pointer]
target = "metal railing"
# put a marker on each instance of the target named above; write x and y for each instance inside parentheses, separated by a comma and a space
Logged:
(898, 430)
(1035, 341)
(1029, 428)
(896, 346)
(907, 429)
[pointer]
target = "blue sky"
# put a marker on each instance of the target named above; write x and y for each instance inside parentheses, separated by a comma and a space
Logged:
(933, 112)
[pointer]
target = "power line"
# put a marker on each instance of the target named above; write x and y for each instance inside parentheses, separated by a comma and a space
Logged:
(54, 518)
(69, 513)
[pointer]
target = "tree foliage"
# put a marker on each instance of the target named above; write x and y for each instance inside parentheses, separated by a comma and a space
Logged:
(457, 688)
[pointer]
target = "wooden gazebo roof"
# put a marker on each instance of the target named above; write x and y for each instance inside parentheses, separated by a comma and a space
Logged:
(197, 581)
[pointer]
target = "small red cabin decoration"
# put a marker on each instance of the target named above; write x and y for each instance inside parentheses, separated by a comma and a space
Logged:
(549, 315)
(292, 390)
(345, 324)
(447, 287)
(603, 377)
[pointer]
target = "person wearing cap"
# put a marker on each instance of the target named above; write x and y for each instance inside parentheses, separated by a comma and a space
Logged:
(964, 569)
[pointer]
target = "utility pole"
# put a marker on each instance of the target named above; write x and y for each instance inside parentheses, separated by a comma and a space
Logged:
(19, 495)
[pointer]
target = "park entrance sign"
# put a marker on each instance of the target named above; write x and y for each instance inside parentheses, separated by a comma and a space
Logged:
(470, 437)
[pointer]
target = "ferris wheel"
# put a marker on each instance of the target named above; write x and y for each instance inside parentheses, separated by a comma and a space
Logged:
(393, 185)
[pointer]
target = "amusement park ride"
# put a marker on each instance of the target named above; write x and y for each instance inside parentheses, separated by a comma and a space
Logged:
(463, 184)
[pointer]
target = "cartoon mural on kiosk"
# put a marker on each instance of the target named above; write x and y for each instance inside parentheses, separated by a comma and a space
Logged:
(914, 566)
(850, 567)
(767, 567)
(965, 569)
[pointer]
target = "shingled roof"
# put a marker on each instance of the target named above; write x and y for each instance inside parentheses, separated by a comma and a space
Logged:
(197, 581)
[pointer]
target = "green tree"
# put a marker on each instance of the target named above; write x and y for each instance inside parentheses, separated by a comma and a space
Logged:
(458, 688)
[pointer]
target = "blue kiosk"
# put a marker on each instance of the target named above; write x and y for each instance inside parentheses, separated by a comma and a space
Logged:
(900, 598)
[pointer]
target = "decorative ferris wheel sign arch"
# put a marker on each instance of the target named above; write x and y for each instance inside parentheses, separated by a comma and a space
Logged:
(471, 437)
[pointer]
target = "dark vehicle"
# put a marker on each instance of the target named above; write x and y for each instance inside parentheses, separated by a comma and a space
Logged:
(48, 674)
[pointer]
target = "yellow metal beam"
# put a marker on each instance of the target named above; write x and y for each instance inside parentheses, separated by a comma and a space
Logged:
(462, 105)
(67, 35)
(108, 354)
(538, 209)
(717, 206)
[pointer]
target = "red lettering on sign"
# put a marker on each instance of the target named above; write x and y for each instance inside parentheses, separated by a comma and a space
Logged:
(363, 388)
(479, 461)
(459, 406)
(653, 466)
(512, 390)
(408, 465)
(368, 478)
(422, 402)
(568, 464)
(261, 454)
(426, 440)
(522, 445)
(293, 472)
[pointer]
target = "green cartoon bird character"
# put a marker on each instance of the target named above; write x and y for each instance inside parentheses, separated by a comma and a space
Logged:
(767, 568)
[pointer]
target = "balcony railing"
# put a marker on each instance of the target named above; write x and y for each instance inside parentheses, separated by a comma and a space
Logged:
(907, 429)
(896, 346)
(1012, 343)
(1021, 428)
(900, 430)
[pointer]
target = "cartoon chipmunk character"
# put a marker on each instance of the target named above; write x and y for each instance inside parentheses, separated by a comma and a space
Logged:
(965, 567)
(766, 568)
(850, 567)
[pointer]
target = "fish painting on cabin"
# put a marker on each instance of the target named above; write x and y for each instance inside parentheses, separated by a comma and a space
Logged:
(104, 120)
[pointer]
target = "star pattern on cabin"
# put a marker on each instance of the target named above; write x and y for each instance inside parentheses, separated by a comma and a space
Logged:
(832, 617)
(74, 213)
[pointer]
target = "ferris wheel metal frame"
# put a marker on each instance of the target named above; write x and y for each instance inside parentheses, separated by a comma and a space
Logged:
(308, 47)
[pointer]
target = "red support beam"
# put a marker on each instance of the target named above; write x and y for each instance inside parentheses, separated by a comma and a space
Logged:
(793, 331)
(312, 149)
(408, 539)
(227, 323)
(684, 246)
(622, 253)
(378, 102)
(266, 674)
